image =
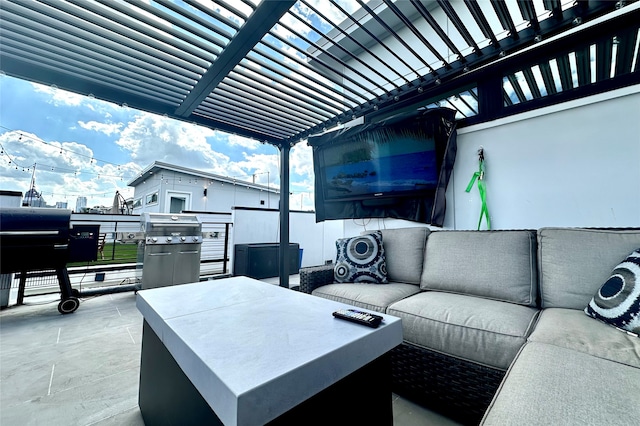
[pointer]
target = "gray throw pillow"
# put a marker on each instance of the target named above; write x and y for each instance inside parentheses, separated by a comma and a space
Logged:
(361, 259)
(617, 302)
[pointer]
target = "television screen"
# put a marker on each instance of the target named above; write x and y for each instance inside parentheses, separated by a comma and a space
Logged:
(398, 167)
(379, 164)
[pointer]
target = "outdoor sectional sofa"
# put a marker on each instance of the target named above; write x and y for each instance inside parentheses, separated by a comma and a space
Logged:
(494, 325)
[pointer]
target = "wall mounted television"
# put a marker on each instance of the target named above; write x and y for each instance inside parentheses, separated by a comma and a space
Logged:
(396, 168)
(385, 163)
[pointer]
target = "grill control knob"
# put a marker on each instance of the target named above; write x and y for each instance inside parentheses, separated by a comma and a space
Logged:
(154, 239)
(183, 238)
(168, 239)
(195, 239)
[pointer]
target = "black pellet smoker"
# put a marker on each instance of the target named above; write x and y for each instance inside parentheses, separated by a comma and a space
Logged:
(37, 239)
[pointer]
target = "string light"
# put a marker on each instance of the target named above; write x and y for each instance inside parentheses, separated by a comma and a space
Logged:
(61, 148)
(54, 168)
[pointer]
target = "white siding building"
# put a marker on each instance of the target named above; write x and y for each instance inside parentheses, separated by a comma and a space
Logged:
(167, 188)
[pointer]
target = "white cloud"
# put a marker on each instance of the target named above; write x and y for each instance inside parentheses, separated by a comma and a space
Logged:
(302, 177)
(302, 160)
(236, 140)
(63, 170)
(59, 97)
(224, 12)
(266, 168)
(106, 128)
(150, 138)
(295, 24)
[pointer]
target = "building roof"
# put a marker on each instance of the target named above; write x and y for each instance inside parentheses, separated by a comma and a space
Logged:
(158, 167)
(278, 71)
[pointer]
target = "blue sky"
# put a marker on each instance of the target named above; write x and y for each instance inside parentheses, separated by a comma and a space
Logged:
(87, 147)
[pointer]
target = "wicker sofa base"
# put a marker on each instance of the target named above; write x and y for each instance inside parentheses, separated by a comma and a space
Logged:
(458, 389)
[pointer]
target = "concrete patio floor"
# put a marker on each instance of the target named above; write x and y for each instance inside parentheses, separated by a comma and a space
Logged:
(83, 368)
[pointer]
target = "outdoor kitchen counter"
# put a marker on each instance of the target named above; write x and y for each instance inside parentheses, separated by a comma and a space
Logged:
(254, 350)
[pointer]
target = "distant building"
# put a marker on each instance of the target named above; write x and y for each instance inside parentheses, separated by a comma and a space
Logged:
(81, 204)
(61, 204)
(167, 188)
(98, 210)
(33, 198)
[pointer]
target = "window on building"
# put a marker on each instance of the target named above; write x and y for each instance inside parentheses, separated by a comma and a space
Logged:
(152, 198)
(177, 204)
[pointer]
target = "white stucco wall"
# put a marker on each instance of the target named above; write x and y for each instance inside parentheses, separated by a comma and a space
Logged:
(576, 164)
(263, 226)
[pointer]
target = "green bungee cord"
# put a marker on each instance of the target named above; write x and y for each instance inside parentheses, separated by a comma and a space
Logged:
(482, 189)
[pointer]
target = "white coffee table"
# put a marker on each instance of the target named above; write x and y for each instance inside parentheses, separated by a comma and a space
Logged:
(239, 351)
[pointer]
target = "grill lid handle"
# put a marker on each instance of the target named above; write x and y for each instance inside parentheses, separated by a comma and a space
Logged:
(29, 232)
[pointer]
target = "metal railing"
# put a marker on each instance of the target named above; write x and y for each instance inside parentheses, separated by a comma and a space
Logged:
(119, 265)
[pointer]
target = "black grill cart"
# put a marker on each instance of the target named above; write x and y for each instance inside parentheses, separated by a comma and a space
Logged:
(36, 239)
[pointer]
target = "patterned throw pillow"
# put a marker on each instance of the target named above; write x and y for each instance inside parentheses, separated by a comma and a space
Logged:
(618, 301)
(361, 260)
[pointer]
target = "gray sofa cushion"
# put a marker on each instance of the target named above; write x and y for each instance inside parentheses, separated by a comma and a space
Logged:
(572, 329)
(574, 263)
(404, 250)
(481, 330)
(499, 265)
(550, 385)
(369, 296)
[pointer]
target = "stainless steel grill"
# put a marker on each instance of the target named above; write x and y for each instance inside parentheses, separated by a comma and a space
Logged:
(170, 251)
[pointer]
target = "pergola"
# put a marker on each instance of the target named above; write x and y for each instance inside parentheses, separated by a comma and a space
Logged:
(281, 70)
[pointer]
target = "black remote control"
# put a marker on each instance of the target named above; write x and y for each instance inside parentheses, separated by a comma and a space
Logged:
(359, 317)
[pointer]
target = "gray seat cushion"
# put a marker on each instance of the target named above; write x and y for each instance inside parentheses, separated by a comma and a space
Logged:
(375, 297)
(499, 265)
(574, 263)
(485, 331)
(573, 329)
(550, 385)
(404, 250)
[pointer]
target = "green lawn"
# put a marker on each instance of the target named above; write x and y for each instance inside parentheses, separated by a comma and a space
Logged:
(124, 253)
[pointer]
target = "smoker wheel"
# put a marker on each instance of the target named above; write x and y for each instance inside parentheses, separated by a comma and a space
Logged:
(69, 305)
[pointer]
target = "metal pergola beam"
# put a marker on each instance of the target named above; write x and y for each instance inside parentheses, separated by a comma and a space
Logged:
(263, 18)
(488, 61)
(487, 65)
